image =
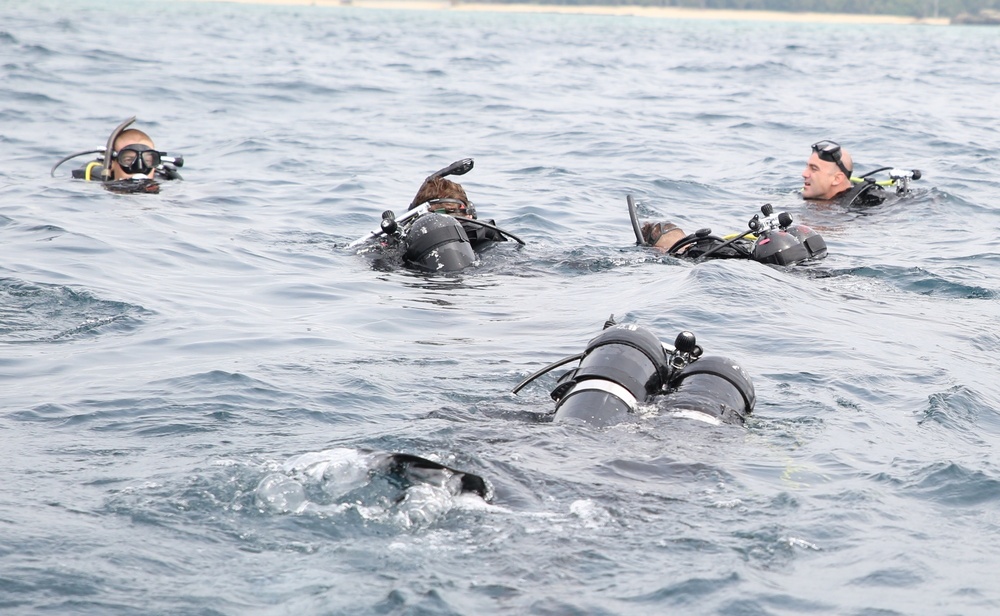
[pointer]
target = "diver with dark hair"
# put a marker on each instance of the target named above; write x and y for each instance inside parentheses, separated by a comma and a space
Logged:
(443, 196)
(129, 162)
(626, 366)
(770, 239)
(440, 230)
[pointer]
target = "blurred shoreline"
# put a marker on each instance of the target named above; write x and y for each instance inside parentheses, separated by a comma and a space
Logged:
(635, 11)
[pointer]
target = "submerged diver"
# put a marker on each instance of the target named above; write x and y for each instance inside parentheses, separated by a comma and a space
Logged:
(128, 163)
(626, 365)
(440, 230)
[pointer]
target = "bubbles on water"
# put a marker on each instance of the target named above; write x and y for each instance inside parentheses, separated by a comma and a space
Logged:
(336, 471)
(590, 514)
(422, 505)
(390, 488)
(280, 494)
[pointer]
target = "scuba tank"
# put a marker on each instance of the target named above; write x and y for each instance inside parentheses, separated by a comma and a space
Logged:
(621, 367)
(714, 390)
(437, 242)
(627, 365)
(784, 243)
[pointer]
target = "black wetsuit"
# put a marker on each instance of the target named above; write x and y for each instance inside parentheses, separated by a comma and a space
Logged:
(866, 193)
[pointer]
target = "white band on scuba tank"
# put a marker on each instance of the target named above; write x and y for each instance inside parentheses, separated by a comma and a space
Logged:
(697, 416)
(607, 387)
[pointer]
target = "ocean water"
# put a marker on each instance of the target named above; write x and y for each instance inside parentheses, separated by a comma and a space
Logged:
(190, 382)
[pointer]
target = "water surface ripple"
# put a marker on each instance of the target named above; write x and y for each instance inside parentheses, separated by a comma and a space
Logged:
(191, 381)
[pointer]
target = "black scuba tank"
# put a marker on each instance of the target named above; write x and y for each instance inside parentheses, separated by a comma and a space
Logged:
(437, 242)
(622, 366)
(712, 389)
(788, 245)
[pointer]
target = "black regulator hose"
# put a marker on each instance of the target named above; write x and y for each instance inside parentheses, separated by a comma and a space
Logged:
(697, 236)
(880, 169)
(71, 156)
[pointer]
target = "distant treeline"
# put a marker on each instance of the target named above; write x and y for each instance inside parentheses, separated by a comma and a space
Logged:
(911, 8)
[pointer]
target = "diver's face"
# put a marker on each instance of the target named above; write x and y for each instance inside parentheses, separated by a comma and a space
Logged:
(123, 142)
(818, 179)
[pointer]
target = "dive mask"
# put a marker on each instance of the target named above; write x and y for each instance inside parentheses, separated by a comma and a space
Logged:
(453, 207)
(830, 152)
(138, 158)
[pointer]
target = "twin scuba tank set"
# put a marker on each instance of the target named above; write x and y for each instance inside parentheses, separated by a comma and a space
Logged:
(768, 239)
(136, 160)
(430, 239)
(623, 367)
(626, 365)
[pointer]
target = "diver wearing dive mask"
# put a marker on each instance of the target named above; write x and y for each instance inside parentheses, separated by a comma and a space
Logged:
(128, 154)
(134, 154)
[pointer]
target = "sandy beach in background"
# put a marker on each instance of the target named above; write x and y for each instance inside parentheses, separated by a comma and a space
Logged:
(636, 11)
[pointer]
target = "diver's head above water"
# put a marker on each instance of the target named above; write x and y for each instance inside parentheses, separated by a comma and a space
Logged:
(134, 155)
(129, 154)
(444, 196)
(828, 171)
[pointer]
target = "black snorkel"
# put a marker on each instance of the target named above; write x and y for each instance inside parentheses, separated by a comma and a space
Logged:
(106, 153)
(459, 167)
(109, 150)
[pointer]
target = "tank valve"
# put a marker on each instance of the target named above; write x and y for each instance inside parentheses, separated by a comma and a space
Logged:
(388, 223)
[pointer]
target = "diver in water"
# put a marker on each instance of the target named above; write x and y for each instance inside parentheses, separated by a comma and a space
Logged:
(443, 196)
(827, 178)
(129, 162)
(626, 366)
(827, 175)
(440, 231)
(774, 240)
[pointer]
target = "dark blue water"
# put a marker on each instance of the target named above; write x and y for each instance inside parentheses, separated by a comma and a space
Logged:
(189, 381)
